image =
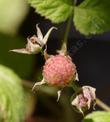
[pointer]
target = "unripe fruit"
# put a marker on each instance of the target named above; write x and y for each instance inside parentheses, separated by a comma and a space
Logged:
(59, 70)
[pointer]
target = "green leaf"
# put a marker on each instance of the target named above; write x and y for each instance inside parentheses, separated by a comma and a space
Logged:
(12, 13)
(99, 116)
(12, 99)
(55, 10)
(21, 64)
(92, 16)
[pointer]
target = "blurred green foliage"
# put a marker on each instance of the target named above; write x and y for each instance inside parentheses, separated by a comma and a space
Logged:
(12, 13)
(98, 116)
(12, 97)
(55, 10)
(22, 64)
(90, 17)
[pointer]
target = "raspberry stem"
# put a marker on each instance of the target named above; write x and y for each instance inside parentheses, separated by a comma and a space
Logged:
(64, 45)
(75, 87)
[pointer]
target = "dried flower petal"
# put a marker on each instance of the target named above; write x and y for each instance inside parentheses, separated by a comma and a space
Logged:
(84, 99)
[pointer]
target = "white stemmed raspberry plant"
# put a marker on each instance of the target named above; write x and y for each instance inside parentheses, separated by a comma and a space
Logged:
(59, 70)
(90, 17)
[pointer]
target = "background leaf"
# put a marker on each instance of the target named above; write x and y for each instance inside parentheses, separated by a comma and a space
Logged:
(12, 13)
(98, 116)
(21, 64)
(55, 10)
(12, 99)
(92, 16)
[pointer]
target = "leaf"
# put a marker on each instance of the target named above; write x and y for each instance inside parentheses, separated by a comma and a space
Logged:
(55, 10)
(12, 13)
(92, 16)
(12, 99)
(99, 116)
(21, 64)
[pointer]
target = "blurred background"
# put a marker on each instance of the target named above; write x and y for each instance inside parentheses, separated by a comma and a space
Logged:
(90, 54)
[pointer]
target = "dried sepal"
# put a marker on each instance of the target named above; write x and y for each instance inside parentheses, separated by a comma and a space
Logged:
(32, 47)
(89, 93)
(46, 55)
(58, 94)
(45, 39)
(38, 84)
(39, 33)
(35, 43)
(77, 77)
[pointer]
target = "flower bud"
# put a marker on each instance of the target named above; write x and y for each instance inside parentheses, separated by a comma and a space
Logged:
(84, 99)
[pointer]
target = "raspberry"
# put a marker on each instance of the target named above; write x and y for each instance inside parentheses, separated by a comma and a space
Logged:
(59, 70)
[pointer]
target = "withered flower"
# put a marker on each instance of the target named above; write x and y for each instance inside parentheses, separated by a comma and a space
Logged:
(35, 43)
(84, 99)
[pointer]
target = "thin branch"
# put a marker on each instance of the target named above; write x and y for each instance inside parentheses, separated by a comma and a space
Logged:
(67, 30)
(27, 84)
(102, 105)
(64, 45)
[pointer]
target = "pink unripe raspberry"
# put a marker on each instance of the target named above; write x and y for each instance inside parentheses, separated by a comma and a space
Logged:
(59, 70)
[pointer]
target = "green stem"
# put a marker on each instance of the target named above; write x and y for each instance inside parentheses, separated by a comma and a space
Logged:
(75, 87)
(102, 105)
(67, 30)
(27, 84)
(64, 45)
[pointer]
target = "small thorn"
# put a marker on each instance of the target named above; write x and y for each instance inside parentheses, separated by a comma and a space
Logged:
(59, 94)
(77, 78)
(46, 55)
